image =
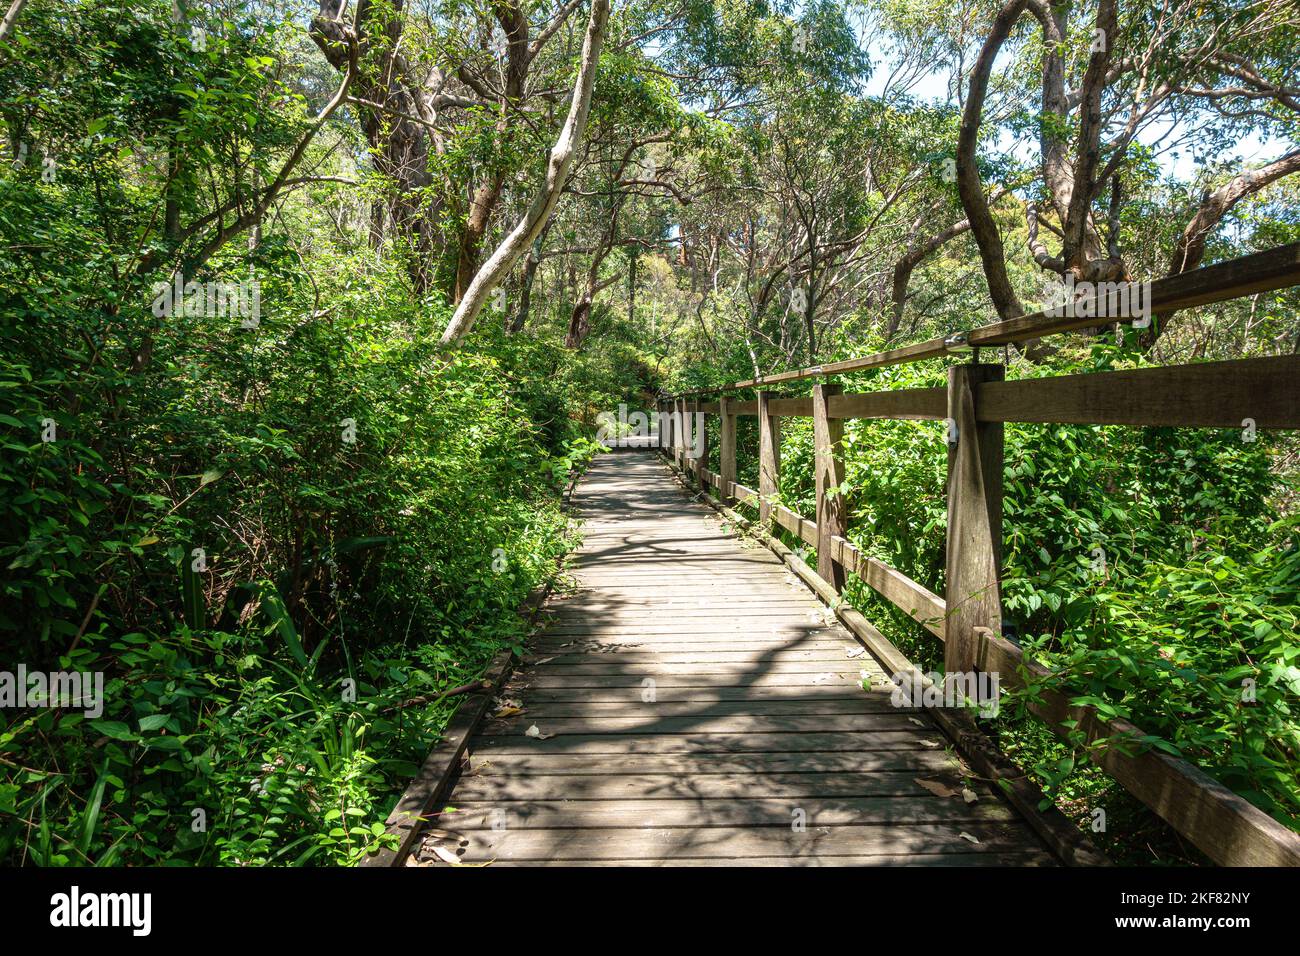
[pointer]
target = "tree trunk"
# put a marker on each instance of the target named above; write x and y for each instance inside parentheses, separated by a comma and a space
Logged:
(531, 264)
(1190, 248)
(530, 226)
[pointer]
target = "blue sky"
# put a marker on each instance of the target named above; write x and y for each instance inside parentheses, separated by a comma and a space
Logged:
(1251, 150)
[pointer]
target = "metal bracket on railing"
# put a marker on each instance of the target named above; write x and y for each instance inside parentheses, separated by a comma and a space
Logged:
(957, 342)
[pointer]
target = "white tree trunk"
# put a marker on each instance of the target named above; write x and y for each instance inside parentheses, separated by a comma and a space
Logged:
(494, 270)
(11, 18)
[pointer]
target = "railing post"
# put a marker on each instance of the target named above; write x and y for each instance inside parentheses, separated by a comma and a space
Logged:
(974, 547)
(701, 440)
(832, 510)
(726, 450)
(769, 458)
(683, 429)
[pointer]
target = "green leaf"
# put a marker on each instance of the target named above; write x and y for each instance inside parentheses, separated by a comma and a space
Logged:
(114, 729)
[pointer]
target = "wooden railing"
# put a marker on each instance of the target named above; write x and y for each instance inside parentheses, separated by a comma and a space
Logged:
(975, 404)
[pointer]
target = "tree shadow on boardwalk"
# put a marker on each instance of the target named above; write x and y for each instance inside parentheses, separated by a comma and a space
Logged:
(688, 705)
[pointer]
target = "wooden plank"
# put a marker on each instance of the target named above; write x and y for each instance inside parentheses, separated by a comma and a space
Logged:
(1205, 395)
(714, 786)
(683, 431)
(740, 842)
(769, 456)
(770, 654)
(694, 694)
(699, 629)
(786, 407)
(915, 600)
(664, 426)
(903, 403)
(744, 495)
(710, 743)
(620, 645)
(1002, 858)
(662, 681)
(974, 539)
(730, 812)
(832, 509)
(797, 525)
(659, 668)
(701, 768)
(635, 707)
(659, 725)
(609, 609)
(726, 448)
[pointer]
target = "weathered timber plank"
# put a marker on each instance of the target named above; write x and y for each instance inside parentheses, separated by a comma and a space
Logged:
(654, 723)
(972, 595)
(695, 693)
(636, 708)
(711, 743)
(1264, 391)
(916, 764)
(834, 656)
(739, 842)
(903, 403)
(551, 681)
(729, 812)
(1002, 858)
(717, 786)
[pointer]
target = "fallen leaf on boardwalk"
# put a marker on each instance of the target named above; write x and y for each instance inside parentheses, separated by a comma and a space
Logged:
(969, 795)
(937, 787)
(930, 743)
(854, 651)
(535, 731)
(919, 723)
(543, 660)
(966, 836)
(447, 856)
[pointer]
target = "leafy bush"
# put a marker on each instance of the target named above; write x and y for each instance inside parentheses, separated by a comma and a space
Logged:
(253, 686)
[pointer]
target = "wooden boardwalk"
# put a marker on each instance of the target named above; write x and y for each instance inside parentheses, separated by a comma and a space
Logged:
(697, 705)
